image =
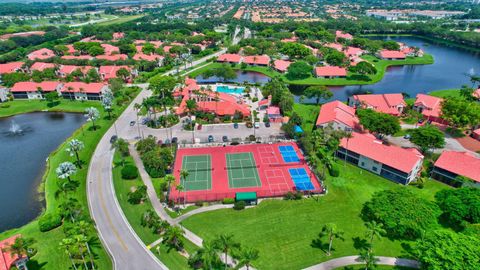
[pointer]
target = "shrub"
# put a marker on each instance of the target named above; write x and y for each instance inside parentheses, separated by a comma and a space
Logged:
(49, 221)
(129, 172)
(199, 203)
(137, 196)
(5, 105)
(228, 200)
(240, 205)
(334, 170)
(293, 195)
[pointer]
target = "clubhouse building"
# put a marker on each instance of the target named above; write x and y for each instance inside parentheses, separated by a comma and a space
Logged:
(451, 165)
(392, 162)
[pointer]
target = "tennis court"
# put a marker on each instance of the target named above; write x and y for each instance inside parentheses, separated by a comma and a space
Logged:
(301, 179)
(242, 170)
(199, 170)
(288, 153)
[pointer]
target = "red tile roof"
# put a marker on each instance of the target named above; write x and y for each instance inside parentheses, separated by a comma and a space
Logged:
(41, 66)
(7, 259)
(432, 105)
(273, 110)
(33, 86)
(476, 93)
(228, 57)
(109, 49)
(385, 103)
(71, 49)
(336, 46)
(147, 57)
(330, 71)
(281, 65)
(353, 51)
(77, 57)
(81, 87)
(68, 69)
(337, 111)
(460, 163)
(110, 72)
(10, 67)
(340, 34)
(257, 59)
(392, 54)
(396, 157)
(113, 57)
(118, 35)
(41, 54)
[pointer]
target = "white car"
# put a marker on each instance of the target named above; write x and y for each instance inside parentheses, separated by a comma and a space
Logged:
(257, 125)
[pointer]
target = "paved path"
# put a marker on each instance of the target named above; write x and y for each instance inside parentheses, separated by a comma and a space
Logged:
(125, 248)
(202, 210)
(351, 260)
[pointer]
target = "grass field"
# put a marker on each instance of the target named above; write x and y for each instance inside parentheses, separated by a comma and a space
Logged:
(308, 113)
(351, 79)
(378, 267)
(121, 19)
(134, 213)
(283, 230)
(26, 106)
(446, 93)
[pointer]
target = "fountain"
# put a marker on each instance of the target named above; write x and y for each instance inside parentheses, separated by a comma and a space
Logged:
(15, 130)
(471, 72)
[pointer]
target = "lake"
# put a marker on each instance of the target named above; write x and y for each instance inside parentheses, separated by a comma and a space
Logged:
(449, 71)
(25, 144)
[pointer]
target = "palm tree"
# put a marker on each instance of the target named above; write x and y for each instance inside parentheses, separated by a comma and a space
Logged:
(121, 146)
(75, 146)
(225, 243)
(247, 256)
(137, 107)
(169, 179)
(68, 243)
(92, 114)
(79, 244)
(191, 107)
(70, 208)
(331, 231)
(20, 246)
(173, 237)
(369, 259)
(348, 135)
(374, 229)
(208, 255)
(65, 170)
(83, 240)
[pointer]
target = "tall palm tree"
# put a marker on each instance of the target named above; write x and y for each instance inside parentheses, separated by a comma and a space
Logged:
(173, 237)
(183, 175)
(79, 244)
(191, 107)
(348, 135)
(67, 244)
(374, 229)
(247, 256)
(75, 146)
(369, 258)
(70, 208)
(208, 255)
(331, 231)
(65, 170)
(137, 108)
(226, 243)
(169, 179)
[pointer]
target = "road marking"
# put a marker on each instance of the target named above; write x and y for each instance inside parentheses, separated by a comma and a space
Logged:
(104, 208)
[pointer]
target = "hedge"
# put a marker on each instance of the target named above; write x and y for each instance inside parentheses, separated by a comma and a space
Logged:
(129, 172)
(49, 221)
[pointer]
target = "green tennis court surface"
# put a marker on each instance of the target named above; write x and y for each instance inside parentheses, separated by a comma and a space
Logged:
(242, 171)
(199, 172)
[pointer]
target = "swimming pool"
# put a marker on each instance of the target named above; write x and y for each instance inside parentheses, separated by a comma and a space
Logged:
(230, 89)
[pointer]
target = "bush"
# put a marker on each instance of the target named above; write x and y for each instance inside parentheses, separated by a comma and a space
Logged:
(137, 196)
(334, 170)
(240, 205)
(228, 200)
(49, 221)
(199, 203)
(5, 105)
(129, 172)
(293, 195)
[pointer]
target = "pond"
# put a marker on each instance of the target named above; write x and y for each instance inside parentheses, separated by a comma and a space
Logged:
(26, 141)
(450, 70)
(242, 76)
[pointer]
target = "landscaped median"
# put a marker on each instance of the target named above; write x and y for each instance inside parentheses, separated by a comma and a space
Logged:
(284, 231)
(380, 65)
(50, 255)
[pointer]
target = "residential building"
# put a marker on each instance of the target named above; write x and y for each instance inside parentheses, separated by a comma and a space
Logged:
(392, 55)
(392, 162)
(65, 70)
(34, 90)
(83, 91)
(11, 67)
(274, 115)
(229, 58)
(452, 164)
(113, 57)
(110, 49)
(9, 259)
(340, 34)
(476, 134)
(40, 66)
(77, 57)
(430, 107)
(3, 94)
(41, 54)
(393, 104)
(476, 93)
(281, 65)
(149, 58)
(329, 72)
(118, 35)
(339, 115)
(257, 60)
(110, 72)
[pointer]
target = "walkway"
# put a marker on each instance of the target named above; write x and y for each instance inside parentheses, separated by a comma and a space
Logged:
(354, 260)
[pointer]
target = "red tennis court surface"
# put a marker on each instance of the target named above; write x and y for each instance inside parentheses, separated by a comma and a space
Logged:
(272, 169)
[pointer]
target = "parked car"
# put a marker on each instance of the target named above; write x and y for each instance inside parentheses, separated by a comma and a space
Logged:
(420, 120)
(159, 142)
(174, 140)
(210, 138)
(235, 125)
(132, 123)
(267, 124)
(145, 121)
(199, 127)
(257, 125)
(407, 136)
(113, 139)
(167, 141)
(225, 139)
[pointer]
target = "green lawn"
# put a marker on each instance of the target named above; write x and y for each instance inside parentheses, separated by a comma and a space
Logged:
(308, 113)
(283, 230)
(351, 79)
(379, 267)
(49, 255)
(133, 213)
(446, 93)
(121, 19)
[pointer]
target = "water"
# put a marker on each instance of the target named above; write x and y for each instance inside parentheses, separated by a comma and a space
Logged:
(450, 70)
(229, 89)
(25, 142)
(242, 76)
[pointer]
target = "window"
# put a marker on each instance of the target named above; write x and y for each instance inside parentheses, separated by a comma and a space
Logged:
(363, 163)
(374, 169)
